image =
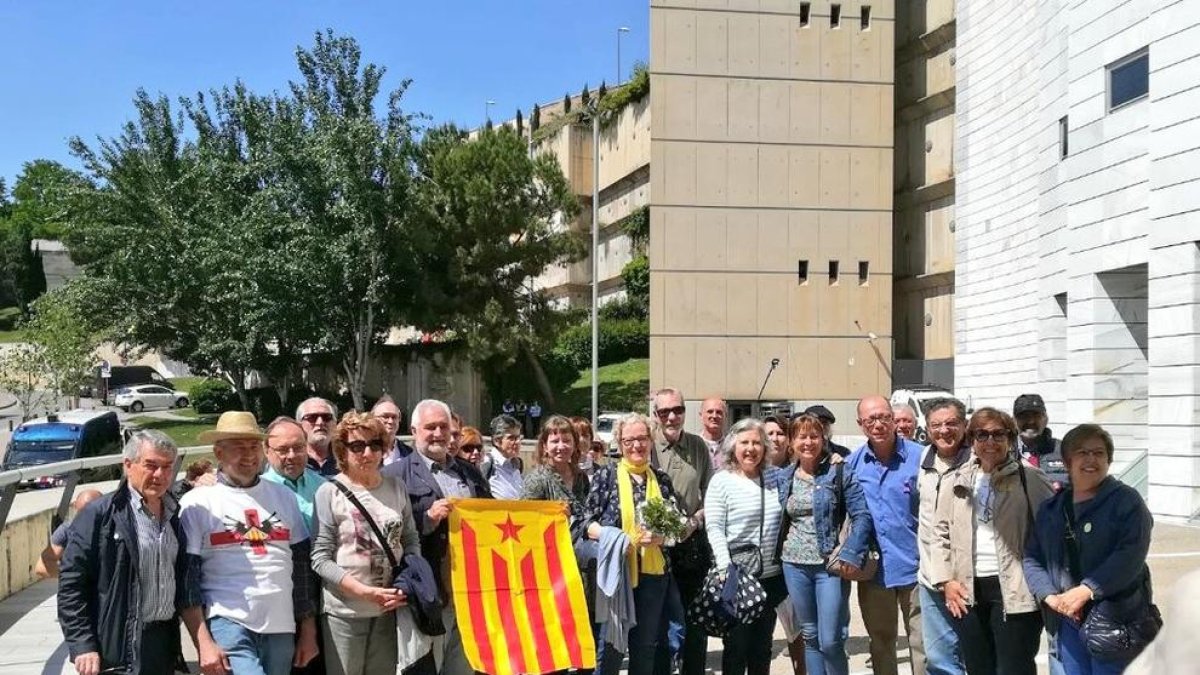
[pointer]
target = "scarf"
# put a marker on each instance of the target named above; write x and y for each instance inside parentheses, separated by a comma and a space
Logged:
(652, 556)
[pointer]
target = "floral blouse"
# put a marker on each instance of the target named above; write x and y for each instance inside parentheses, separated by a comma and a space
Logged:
(544, 483)
(604, 501)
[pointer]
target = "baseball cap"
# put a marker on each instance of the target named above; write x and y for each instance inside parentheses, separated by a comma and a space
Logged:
(1029, 403)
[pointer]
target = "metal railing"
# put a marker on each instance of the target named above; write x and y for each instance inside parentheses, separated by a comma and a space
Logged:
(1136, 473)
(70, 469)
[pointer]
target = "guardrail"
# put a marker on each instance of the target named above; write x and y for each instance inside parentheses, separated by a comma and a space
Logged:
(11, 480)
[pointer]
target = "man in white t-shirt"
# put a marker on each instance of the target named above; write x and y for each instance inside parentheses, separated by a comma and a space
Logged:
(248, 588)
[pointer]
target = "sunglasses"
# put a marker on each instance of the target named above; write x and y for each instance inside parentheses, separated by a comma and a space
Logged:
(471, 448)
(358, 447)
(991, 435)
(664, 413)
(313, 417)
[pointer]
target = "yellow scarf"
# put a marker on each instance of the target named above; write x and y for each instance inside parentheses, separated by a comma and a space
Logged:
(652, 556)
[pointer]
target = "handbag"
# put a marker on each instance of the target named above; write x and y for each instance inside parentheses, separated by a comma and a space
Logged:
(727, 601)
(396, 568)
(748, 557)
(870, 566)
(1118, 627)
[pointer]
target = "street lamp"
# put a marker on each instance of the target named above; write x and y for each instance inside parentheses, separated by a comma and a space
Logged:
(595, 112)
(487, 107)
(622, 29)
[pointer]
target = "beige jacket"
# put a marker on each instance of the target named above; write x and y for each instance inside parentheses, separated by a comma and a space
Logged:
(930, 482)
(953, 552)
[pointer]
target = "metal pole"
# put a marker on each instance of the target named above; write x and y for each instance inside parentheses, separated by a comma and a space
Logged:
(595, 265)
(619, 31)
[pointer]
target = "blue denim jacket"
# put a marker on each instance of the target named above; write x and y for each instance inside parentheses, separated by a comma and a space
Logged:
(825, 512)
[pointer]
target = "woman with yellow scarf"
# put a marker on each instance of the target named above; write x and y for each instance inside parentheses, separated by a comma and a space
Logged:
(618, 491)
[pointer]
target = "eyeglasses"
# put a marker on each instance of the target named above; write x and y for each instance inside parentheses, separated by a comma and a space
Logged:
(664, 413)
(635, 441)
(358, 447)
(388, 416)
(286, 450)
(512, 438)
(881, 418)
(312, 418)
(991, 435)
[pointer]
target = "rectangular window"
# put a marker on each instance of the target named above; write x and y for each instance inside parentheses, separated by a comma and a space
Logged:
(1129, 79)
(805, 13)
(833, 272)
(864, 17)
(864, 272)
(835, 16)
(1062, 137)
(802, 271)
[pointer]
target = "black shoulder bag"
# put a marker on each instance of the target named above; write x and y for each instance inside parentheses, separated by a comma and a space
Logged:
(1117, 627)
(387, 549)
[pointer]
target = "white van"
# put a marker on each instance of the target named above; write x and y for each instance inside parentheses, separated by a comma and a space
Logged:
(918, 398)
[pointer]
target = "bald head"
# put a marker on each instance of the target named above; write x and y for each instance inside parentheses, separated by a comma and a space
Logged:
(84, 498)
(712, 417)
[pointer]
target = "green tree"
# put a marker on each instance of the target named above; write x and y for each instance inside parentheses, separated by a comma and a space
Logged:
(585, 97)
(64, 338)
(42, 195)
(494, 210)
(21, 376)
(535, 118)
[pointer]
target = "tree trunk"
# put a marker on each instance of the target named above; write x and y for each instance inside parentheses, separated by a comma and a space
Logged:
(540, 374)
(237, 378)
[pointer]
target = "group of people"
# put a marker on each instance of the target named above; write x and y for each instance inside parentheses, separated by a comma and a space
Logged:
(321, 545)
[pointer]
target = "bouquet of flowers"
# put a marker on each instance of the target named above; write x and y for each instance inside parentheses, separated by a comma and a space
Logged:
(658, 516)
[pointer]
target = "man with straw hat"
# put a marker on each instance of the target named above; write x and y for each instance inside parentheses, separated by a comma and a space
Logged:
(248, 600)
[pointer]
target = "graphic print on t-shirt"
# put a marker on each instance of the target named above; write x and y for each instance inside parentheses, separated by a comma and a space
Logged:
(252, 531)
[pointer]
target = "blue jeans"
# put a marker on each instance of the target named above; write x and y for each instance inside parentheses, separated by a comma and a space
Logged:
(253, 653)
(822, 604)
(942, 655)
(649, 636)
(1076, 660)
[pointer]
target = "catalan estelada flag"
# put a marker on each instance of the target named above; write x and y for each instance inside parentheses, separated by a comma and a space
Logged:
(518, 595)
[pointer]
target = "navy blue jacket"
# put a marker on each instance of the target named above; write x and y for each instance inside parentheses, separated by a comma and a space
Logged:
(1113, 530)
(99, 608)
(423, 491)
(825, 512)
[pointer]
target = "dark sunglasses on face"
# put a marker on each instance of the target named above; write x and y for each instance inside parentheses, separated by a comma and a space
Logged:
(666, 412)
(991, 434)
(313, 417)
(472, 448)
(358, 447)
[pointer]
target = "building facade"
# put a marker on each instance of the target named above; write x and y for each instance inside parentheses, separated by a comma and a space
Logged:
(1078, 217)
(771, 200)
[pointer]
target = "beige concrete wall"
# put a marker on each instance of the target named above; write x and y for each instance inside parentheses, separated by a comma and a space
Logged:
(771, 147)
(21, 543)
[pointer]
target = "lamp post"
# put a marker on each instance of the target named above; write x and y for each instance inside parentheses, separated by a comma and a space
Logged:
(595, 259)
(487, 111)
(622, 29)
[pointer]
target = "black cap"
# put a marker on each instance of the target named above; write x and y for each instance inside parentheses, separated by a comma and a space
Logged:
(1026, 403)
(821, 412)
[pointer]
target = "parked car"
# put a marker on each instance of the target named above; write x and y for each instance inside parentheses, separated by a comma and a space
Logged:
(119, 378)
(64, 436)
(149, 397)
(604, 430)
(918, 398)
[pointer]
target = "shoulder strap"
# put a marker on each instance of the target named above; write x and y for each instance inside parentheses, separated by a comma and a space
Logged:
(1025, 489)
(762, 504)
(1073, 563)
(370, 521)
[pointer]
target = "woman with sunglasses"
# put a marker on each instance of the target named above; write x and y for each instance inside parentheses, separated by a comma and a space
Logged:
(359, 603)
(471, 447)
(980, 528)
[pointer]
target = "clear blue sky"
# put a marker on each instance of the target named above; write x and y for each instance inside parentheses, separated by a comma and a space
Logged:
(71, 68)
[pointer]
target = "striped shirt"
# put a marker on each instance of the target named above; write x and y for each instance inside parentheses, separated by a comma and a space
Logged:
(733, 508)
(157, 549)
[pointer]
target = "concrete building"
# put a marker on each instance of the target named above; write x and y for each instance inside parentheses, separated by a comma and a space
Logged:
(771, 200)
(1078, 217)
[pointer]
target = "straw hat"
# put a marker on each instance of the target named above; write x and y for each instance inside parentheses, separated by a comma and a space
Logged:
(232, 425)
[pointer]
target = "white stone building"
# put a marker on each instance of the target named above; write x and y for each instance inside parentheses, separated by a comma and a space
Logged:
(1078, 221)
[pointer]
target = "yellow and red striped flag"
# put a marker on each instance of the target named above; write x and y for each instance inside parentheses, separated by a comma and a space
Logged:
(517, 590)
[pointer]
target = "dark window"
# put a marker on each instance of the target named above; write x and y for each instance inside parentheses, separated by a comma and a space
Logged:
(802, 271)
(833, 272)
(864, 17)
(805, 13)
(835, 16)
(864, 271)
(1063, 130)
(1129, 79)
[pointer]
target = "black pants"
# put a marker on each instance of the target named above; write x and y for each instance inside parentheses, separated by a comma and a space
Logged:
(993, 643)
(748, 647)
(160, 647)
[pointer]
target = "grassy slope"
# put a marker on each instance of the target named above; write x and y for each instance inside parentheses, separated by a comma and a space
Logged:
(623, 387)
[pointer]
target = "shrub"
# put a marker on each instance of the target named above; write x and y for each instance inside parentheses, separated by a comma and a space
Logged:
(620, 340)
(212, 397)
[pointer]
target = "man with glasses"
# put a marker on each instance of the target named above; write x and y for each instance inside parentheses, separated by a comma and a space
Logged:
(886, 467)
(318, 417)
(287, 454)
(433, 477)
(117, 592)
(686, 459)
(389, 413)
(249, 604)
(502, 466)
(948, 450)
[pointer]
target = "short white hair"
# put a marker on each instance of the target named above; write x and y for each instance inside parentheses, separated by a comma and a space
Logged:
(316, 399)
(902, 407)
(415, 420)
(152, 437)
